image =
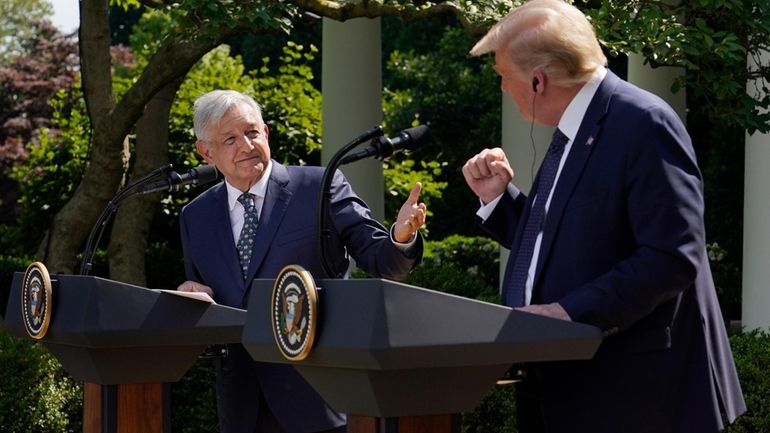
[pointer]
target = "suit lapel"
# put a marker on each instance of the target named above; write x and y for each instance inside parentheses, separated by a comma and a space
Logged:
(274, 208)
(586, 140)
(223, 237)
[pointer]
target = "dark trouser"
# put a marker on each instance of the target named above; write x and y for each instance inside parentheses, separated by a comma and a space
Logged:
(266, 423)
(529, 412)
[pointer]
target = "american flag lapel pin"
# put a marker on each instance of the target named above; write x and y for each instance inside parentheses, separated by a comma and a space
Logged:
(590, 141)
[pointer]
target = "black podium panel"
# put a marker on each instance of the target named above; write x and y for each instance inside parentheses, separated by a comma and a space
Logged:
(389, 349)
(108, 332)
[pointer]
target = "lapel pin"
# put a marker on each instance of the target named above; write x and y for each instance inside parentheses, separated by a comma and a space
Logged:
(590, 141)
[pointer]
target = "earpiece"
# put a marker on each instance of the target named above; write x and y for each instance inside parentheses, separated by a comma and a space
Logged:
(535, 82)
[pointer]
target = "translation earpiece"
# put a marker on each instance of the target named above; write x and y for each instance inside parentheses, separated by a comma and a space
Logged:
(535, 82)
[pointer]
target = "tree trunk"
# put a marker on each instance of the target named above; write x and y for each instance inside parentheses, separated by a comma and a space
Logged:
(128, 241)
(102, 178)
(111, 123)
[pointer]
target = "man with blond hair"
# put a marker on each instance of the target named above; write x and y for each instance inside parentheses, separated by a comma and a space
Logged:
(611, 235)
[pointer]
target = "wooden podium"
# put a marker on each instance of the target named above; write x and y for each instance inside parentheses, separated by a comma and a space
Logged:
(403, 359)
(127, 343)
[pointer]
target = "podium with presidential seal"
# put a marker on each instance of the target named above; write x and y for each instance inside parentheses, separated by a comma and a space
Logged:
(398, 358)
(125, 342)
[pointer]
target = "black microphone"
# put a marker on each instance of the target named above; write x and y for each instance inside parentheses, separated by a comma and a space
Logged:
(201, 174)
(384, 147)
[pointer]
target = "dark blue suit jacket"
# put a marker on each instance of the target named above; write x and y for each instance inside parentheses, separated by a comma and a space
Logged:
(287, 234)
(624, 249)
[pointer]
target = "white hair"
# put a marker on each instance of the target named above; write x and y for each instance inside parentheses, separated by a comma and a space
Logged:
(210, 107)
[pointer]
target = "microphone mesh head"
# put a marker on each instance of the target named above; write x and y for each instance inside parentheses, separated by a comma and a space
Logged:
(418, 136)
(206, 173)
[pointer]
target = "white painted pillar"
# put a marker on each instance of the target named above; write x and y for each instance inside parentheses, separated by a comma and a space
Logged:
(756, 215)
(351, 58)
(658, 81)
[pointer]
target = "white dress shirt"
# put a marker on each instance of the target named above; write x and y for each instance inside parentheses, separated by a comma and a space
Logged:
(568, 124)
(237, 210)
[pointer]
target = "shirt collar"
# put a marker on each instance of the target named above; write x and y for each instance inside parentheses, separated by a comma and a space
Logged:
(259, 189)
(573, 116)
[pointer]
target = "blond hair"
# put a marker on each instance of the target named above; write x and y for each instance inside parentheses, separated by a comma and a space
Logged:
(550, 35)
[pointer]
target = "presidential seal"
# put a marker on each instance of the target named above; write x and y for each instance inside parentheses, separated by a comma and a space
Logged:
(36, 300)
(294, 312)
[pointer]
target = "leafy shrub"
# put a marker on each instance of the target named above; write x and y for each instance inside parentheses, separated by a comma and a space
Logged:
(36, 394)
(464, 266)
(751, 351)
(193, 400)
(8, 266)
(495, 414)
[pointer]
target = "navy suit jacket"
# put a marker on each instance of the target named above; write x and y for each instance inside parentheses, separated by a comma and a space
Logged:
(287, 234)
(624, 249)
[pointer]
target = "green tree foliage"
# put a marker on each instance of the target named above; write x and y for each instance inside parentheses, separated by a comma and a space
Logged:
(18, 20)
(28, 81)
(53, 168)
(711, 39)
(434, 82)
(401, 174)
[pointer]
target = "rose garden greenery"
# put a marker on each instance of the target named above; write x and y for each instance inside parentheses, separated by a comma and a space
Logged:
(48, 145)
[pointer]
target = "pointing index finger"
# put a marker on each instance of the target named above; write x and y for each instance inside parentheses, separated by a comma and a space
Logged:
(415, 193)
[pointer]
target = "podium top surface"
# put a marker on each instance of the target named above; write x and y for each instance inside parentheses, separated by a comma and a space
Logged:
(90, 311)
(376, 324)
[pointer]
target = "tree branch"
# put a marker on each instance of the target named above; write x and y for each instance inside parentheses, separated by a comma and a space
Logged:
(346, 10)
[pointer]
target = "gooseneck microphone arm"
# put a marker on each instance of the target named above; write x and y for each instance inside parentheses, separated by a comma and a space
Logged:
(98, 229)
(324, 198)
(172, 182)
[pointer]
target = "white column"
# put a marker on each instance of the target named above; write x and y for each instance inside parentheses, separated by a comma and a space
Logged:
(756, 215)
(658, 81)
(351, 58)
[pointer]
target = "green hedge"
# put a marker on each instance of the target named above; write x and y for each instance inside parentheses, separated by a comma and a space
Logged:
(751, 351)
(36, 394)
(194, 401)
(464, 266)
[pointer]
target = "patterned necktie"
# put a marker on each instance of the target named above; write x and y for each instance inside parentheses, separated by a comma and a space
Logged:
(246, 238)
(513, 294)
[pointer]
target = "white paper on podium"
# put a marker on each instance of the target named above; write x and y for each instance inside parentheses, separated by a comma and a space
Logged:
(200, 296)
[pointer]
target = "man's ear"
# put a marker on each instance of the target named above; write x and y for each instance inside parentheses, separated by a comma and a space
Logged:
(203, 150)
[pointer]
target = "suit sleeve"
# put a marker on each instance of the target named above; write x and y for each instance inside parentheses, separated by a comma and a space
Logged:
(189, 267)
(365, 239)
(664, 207)
(502, 222)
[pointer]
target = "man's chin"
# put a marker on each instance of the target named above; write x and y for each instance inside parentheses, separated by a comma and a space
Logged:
(254, 171)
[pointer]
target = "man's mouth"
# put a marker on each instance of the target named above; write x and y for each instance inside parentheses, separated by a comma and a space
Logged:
(257, 157)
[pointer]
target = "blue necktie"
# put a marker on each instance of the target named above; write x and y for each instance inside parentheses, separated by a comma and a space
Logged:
(513, 293)
(249, 230)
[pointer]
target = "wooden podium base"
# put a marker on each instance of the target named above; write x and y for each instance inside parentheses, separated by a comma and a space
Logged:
(449, 423)
(127, 408)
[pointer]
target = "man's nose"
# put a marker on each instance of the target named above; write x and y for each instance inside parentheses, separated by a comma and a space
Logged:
(244, 144)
